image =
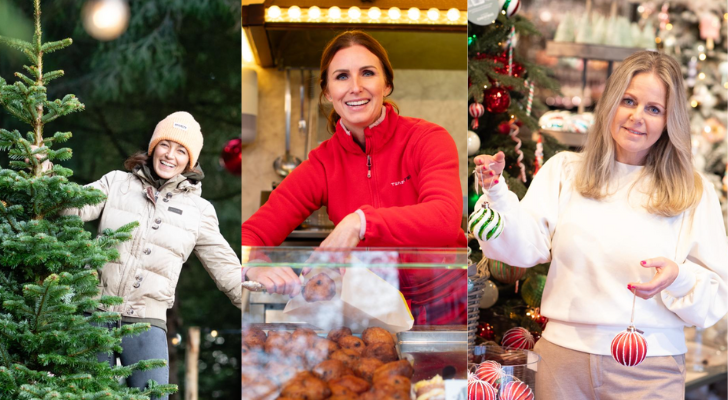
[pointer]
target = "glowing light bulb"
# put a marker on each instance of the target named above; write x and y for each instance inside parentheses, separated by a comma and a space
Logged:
(668, 27)
(314, 13)
(335, 12)
(247, 51)
(413, 14)
(354, 13)
(433, 14)
(693, 103)
(294, 12)
(453, 14)
(274, 12)
(394, 13)
(213, 333)
(105, 19)
(701, 57)
(701, 75)
(374, 13)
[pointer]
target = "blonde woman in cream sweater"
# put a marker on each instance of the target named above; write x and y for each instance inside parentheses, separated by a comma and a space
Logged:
(628, 213)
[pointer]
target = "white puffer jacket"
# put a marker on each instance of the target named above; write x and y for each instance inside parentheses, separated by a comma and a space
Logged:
(173, 222)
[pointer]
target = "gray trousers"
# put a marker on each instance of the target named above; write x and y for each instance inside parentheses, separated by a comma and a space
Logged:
(151, 344)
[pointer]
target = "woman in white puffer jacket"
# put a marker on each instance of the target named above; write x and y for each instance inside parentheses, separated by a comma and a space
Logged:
(161, 192)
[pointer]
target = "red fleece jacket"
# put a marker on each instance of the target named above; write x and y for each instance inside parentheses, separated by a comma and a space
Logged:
(407, 184)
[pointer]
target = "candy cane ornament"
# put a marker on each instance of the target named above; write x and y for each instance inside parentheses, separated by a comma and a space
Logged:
(476, 111)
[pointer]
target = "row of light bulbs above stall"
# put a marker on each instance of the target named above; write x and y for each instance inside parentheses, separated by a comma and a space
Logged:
(374, 15)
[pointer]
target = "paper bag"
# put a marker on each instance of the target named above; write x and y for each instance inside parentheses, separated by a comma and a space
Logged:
(362, 300)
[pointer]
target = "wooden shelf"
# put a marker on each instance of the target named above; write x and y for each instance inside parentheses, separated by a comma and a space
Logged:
(589, 51)
(572, 139)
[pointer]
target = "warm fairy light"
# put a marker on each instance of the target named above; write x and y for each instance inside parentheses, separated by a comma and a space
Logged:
(433, 14)
(374, 13)
(658, 40)
(503, 12)
(668, 26)
(413, 14)
(274, 12)
(354, 13)
(707, 129)
(247, 51)
(335, 12)
(314, 13)
(701, 48)
(693, 103)
(701, 57)
(641, 9)
(294, 12)
(105, 19)
(725, 85)
(701, 75)
(453, 14)
(394, 13)
(213, 333)
(175, 341)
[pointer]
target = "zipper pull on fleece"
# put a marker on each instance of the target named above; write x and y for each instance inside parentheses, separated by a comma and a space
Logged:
(369, 166)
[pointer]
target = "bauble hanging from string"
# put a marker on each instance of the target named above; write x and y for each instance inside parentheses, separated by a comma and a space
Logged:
(476, 111)
(231, 157)
(532, 289)
(489, 296)
(485, 223)
(496, 99)
(629, 347)
(518, 338)
(505, 273)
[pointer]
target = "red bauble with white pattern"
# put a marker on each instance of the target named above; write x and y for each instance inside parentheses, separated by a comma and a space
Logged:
(479, 390)
(629, 348)
(516, 390)
(490, 371)
(518, 338)
(476, 111)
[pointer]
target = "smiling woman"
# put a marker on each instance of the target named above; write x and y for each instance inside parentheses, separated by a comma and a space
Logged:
(378, 175)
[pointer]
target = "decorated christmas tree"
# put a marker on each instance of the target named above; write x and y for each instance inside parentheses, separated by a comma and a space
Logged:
(49, 333)
(502, 108)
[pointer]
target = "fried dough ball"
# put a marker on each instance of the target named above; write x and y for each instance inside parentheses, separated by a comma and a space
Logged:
(306, 386)
(302, 339)
(254, 337)
(348, 357)
(258, 387)
(331, 369)
(348, 396)
(251, 357)
(281, 372)
(401, 368)
(319, 288)
(337, 334)
(382, 351)
(385, 393)
(350, 382)
(277, 341)
(365, 368)
(352, 343)
(377, 335)
(398, 382)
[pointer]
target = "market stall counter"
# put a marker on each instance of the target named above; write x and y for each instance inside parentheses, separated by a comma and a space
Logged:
(356, 330)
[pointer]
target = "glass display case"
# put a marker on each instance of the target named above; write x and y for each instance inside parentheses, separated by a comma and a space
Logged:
(418, 297)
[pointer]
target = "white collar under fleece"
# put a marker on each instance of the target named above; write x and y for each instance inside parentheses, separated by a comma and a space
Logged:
(375, 123)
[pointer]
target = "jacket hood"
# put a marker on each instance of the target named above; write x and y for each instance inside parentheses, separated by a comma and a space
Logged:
(376, 136)
(187, 182)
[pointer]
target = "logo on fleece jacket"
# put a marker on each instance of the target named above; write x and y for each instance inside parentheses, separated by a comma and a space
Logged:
(402, 182)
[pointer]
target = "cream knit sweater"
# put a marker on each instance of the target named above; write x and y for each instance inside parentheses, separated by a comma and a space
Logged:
(595, 248)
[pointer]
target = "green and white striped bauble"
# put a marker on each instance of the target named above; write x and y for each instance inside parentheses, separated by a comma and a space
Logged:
(485, 223)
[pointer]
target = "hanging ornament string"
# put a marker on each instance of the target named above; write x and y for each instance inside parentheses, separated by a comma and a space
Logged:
(514, 136)
(634, 300)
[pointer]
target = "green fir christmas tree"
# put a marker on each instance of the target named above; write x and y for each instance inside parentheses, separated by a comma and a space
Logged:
(48, 262)
(503, 82)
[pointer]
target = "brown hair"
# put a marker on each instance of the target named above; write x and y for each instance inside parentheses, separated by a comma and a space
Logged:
(141, 158)
(674, 185)
(343, 41)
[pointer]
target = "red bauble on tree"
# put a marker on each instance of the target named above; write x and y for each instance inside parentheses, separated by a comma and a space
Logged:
(479, 390)
(504, 128)
(516, 390)
(496, 99)
(629, 348)
(476, 111)
(517, 338)
(231, 157)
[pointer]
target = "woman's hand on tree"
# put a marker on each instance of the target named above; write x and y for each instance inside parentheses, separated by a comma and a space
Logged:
(665, 275)
(276, 280)
(489, 168)
(46, 165)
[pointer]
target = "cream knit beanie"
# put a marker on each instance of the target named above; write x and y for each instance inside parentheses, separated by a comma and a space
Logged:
(182, 128)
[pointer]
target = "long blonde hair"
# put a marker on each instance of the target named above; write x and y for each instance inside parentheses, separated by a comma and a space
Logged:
(673, 184)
